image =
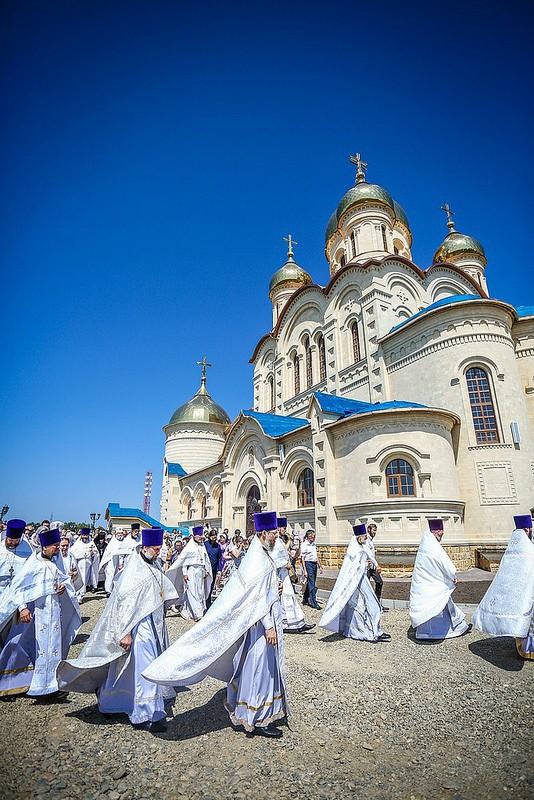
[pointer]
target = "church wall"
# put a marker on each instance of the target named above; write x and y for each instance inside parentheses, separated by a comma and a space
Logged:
(194, 445)
(427, 364)
(523, 332)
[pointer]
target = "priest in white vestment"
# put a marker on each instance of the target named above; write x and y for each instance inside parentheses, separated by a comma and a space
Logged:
(239, 641)
(507, 608)
(14, 550)
(116, 554)
(292, 613)
(39, 619)
(88, 561)
(129, 635)
(352, 608)
(69, 564)
(432, 611)
(192, 576)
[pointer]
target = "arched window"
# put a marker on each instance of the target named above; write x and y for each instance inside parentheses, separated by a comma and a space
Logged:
(305, 494)
(342, 260)
(399, 476)
(252, 506)
(203, 507)
(384, 238)
(308, 358)
(354, 244)
(270, 386)
(188, 508)
(355, 341)
(296, 372)
(322, 357)
(220, 504)
(482, 409)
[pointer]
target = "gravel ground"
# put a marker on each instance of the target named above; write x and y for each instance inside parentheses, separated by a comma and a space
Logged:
(392, 720)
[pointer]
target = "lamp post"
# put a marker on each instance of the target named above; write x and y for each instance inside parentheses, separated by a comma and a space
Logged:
(94, 519)
(4, 511)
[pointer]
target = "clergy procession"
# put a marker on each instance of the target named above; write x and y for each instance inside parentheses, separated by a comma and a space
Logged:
(237, 625)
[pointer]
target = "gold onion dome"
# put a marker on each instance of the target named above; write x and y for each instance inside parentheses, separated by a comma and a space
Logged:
(201, 408)
(289, 273)
(456, 243)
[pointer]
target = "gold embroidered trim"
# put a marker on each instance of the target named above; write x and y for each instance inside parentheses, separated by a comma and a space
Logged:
(18, 690)
(258, 708)
(16, 671)
(523, 653)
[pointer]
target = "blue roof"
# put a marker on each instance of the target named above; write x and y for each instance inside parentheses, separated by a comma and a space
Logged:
(175, 469)
(525, 311)
(332, 404)
(445, 301)
(116, 510)
(276, 425)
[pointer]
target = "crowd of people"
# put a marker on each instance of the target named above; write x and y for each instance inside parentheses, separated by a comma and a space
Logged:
(241, 594)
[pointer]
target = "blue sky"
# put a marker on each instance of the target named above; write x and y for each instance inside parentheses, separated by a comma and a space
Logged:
(154, 154)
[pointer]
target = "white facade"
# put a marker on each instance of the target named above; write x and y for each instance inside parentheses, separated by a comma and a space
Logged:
(366, 336)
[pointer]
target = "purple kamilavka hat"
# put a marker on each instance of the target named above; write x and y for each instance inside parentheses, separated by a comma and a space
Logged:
(152, 537)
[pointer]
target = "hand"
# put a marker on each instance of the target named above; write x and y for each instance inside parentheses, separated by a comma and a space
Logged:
(270, 635)
(280, 588)
(455, 581)
(126, 641)
(60, 589)
(186, 579)
(378, 569)
(72, 573)
(25, 615)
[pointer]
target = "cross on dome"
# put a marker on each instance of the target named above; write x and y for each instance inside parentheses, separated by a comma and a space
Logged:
(204, 364)
(290, 243)
(449, 213)
(361, 166)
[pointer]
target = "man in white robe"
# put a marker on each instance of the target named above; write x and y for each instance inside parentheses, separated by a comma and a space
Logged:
(116, 554)
(353, 609)
(507, 608)
(129, 635)
(14, 550)
(239, 641)
(432, 611)
(39, 619)
(292, 613)
(87, 560)
(69, 564)
(192, 576)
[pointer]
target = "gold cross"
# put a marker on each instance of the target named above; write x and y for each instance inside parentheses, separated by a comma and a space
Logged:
(361, 166)
(204, 363)
(449, 214)
(290, 242)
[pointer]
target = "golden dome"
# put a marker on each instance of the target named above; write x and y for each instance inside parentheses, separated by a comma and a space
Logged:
(201, 408)
(456, 243)
(289, 273)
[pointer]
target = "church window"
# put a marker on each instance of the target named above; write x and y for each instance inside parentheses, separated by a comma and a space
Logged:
(322, 358)
(296, 373)
(384, 239)
(396, 250)
(251, 457)
(188, 508)
(342, 260)
(482, 408)
(252, 507)
(354, 244)
(355, 341)
(203, 507)
(270, 382)
(220, 504)
(399, 475)
(305, 493)
(308, 357)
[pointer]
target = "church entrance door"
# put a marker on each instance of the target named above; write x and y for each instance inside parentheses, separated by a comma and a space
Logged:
(253, 506)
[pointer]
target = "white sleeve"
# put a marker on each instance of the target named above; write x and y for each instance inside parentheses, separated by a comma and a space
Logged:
(267, 622)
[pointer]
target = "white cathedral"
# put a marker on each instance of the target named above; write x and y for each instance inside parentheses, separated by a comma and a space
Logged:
(390, 395)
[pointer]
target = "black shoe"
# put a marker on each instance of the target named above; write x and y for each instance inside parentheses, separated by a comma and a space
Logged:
(384, 610)
(317, 607)
(158, 727)
(305, 628)
(384, 637)
(269, 732)
(53, 697)
(142, 726)
(468, 630)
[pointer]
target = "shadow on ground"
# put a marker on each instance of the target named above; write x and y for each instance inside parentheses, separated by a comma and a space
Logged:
(499, 651)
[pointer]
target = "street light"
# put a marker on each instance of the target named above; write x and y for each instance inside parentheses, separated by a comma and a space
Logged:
(94, 518)
(4, 511)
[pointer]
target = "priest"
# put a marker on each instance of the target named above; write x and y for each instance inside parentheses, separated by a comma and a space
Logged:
(292, 613)
(14, 550)
(129, 635)
(353, 609)
(87, 560)
(115, 557)
(69, 565)
(239, 641)
(432, 611)
(39, 618)
(192, 577)
(507, 608)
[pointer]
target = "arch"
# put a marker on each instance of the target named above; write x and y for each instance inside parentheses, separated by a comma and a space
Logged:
(296, 373)
(483, 413)
(296, 460)
(321, 352)
(400, 478)
(305, 488)
(252, 506)
(308, 362)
